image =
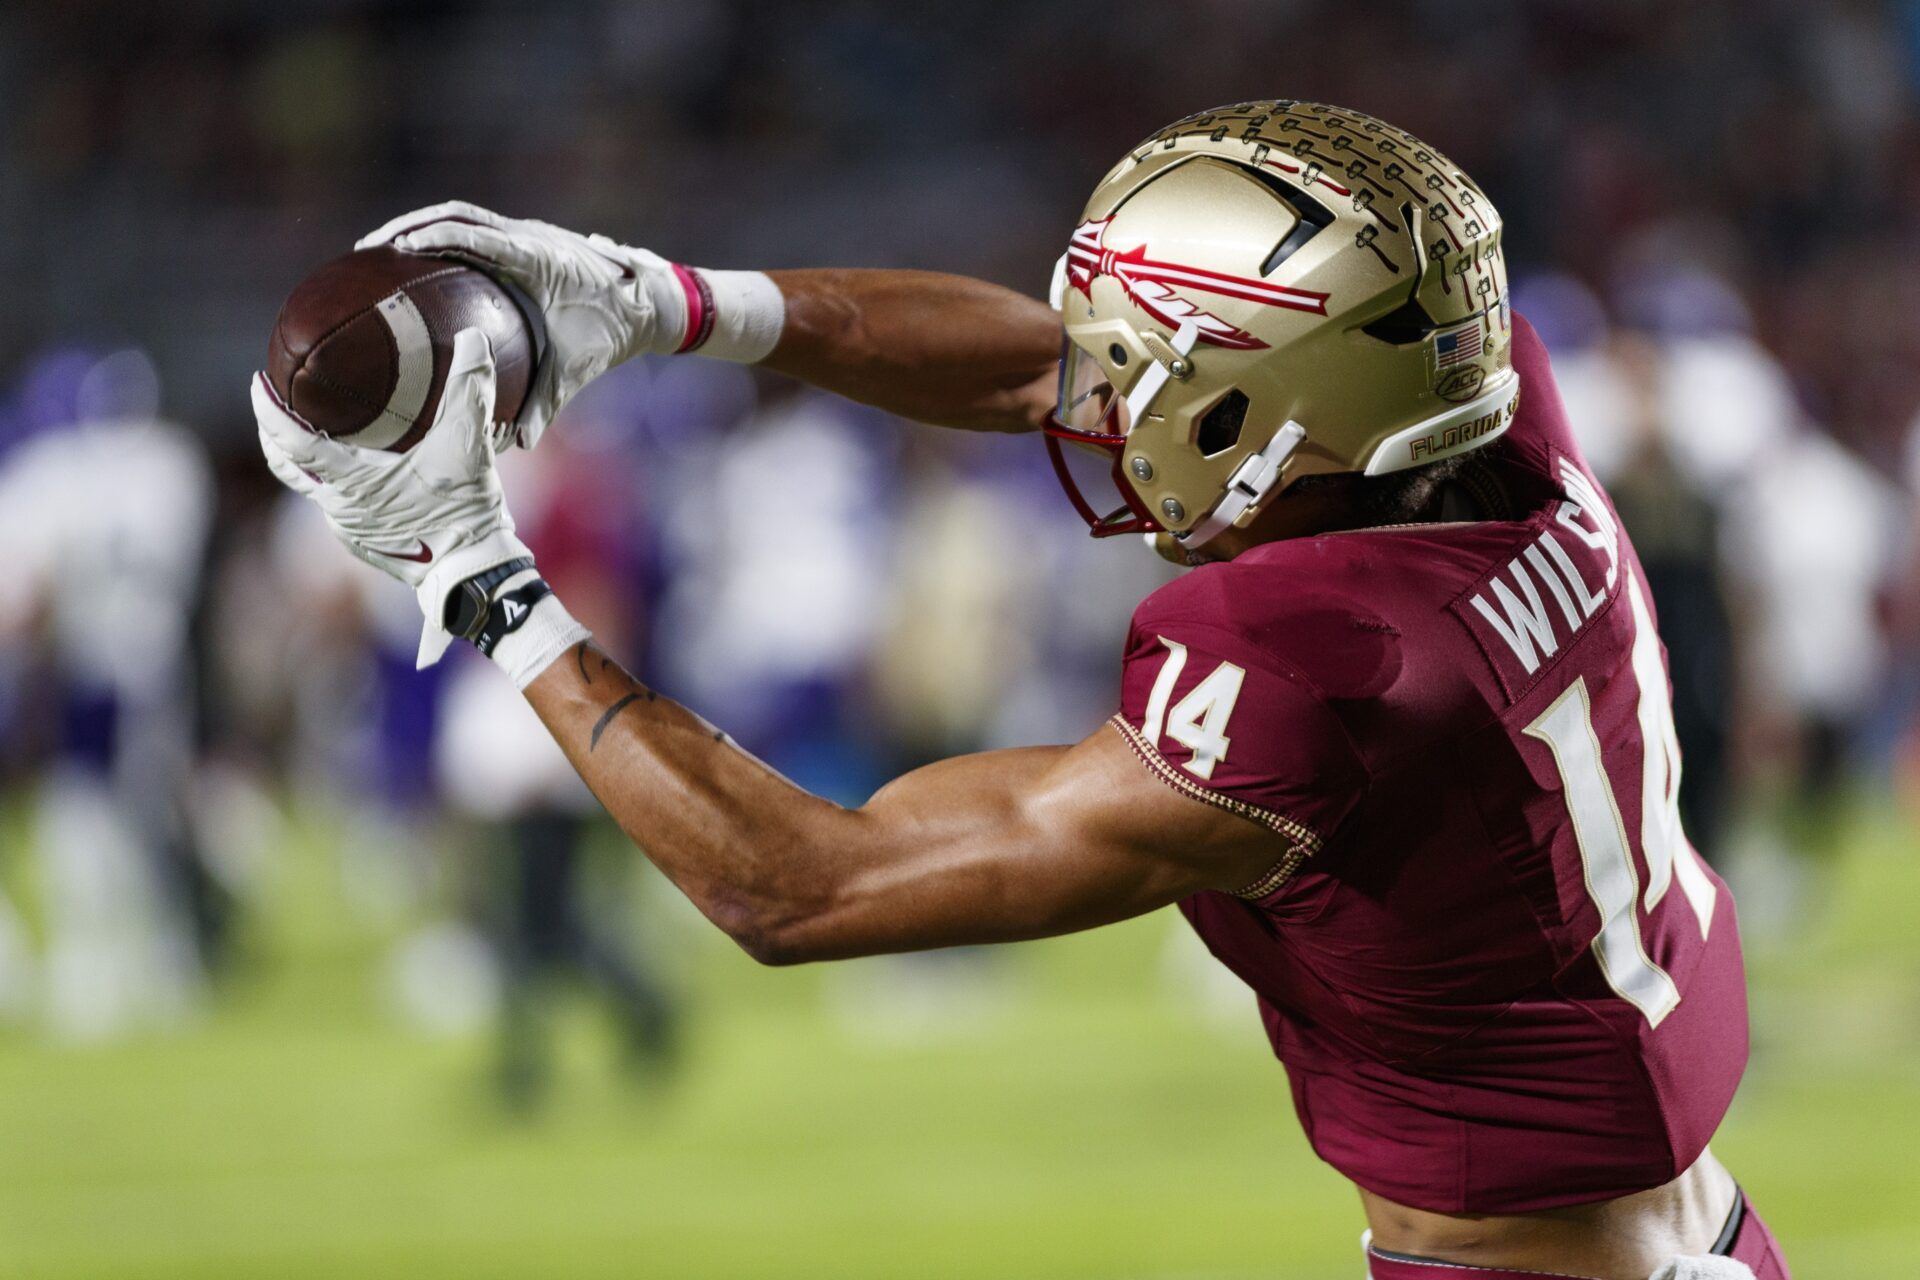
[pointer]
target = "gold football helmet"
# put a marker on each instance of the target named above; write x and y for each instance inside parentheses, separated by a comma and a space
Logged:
(1269, 291)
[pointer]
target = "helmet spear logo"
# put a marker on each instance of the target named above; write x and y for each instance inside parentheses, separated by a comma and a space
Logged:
(1151, 283)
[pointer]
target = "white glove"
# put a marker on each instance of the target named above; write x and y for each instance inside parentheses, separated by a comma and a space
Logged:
(432, 517)
(603, 302)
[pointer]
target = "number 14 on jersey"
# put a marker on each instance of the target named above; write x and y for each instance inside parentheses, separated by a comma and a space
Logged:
(1606, 856)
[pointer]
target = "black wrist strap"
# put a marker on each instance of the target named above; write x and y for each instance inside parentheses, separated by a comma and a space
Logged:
(509, 613)
(471, 602)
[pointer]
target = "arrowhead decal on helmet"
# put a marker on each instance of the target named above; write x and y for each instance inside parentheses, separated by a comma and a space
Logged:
(1150, 283)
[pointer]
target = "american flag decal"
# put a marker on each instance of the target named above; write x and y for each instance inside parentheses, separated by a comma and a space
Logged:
(1456, 346)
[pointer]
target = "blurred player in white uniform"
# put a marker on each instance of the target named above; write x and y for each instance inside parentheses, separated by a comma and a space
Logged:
(107, 510)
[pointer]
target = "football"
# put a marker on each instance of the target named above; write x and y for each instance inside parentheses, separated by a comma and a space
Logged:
(360, 350)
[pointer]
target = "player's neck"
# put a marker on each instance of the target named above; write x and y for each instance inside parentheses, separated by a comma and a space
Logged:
(1292, 515)
(1297, 514)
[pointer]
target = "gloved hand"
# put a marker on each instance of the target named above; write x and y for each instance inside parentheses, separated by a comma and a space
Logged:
(434, 517)
(603, 302)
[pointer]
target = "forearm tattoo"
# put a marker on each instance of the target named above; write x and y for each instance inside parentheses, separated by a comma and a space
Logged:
(593, 666)
(606, 718)
(596, 665)
(580, 661)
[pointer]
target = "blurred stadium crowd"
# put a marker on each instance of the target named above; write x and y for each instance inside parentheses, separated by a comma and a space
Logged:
(1713, 217)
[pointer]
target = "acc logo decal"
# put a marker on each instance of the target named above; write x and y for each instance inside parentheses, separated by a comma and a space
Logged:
(1461, 385)
(1150, 283)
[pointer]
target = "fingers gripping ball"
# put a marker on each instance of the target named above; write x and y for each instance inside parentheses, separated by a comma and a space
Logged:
(360, 351)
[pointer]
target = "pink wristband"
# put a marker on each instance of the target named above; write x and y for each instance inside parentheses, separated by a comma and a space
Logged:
(699, 308)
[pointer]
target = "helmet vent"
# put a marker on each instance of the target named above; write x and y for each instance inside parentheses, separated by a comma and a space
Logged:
(1220, 428)
(1313, 216)
(1408, 322)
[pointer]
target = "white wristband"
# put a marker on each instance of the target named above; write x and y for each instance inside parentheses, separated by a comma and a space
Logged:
(534, 645)
(731, 315)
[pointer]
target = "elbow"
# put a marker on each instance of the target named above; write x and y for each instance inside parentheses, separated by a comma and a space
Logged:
(774, 935)
(784, 904)
(773, 948)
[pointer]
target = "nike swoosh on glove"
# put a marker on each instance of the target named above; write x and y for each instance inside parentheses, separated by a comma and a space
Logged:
(431, 517)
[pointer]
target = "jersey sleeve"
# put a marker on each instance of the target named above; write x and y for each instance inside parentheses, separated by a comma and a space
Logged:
(1218, 719)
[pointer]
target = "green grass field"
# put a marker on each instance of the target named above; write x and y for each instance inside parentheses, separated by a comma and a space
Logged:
(1089, 1125)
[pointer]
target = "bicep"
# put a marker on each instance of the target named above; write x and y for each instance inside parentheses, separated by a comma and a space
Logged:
(1010, 845)
(937, 348)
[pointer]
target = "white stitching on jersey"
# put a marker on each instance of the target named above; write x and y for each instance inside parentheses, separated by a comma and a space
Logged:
(1305, 842)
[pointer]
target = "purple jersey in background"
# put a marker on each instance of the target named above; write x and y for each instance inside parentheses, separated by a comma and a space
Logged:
(1500, 978)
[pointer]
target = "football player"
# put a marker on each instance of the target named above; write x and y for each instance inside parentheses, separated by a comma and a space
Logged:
(1399, 745)
(108, 510)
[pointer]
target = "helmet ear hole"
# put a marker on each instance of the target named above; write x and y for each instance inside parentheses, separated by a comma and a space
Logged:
(1219, 429)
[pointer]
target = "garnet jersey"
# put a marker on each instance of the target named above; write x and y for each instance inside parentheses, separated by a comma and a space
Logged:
(1498, 975)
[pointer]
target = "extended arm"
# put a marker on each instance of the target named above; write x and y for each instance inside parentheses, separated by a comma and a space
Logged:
(996, 847)
(938, 348)
(948, 350)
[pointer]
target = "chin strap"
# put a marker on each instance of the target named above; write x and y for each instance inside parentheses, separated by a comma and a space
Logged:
(1249, 485)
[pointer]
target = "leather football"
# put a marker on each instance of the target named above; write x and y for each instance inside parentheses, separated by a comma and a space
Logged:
(360, 350)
